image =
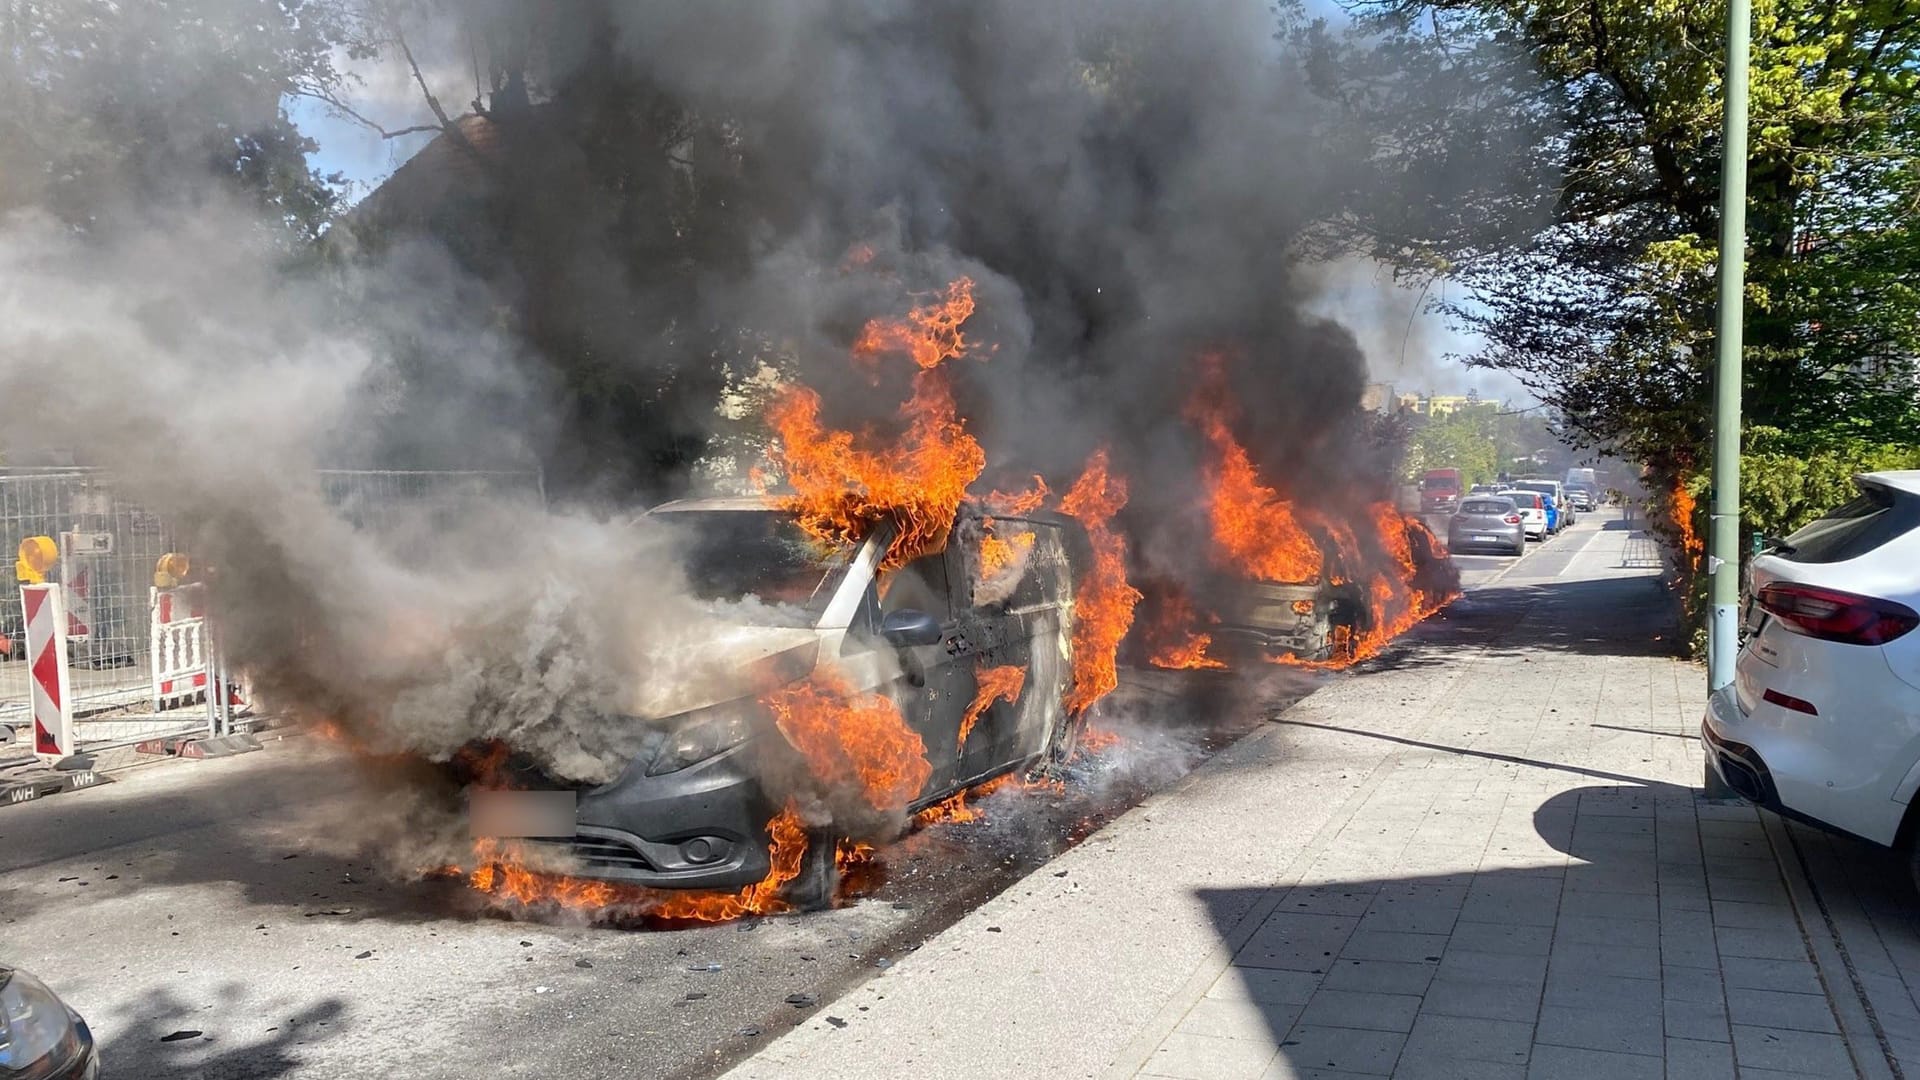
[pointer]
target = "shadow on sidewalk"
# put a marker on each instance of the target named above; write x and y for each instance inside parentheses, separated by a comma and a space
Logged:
(1483, 940)
(1465, 970)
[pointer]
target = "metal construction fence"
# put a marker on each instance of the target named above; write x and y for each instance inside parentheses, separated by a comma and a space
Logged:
(109, 547)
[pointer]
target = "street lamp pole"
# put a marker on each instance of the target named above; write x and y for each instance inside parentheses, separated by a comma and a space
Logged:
(1723, 541)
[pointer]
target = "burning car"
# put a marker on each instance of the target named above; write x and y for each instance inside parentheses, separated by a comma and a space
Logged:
(936, 676)
(1266, 620)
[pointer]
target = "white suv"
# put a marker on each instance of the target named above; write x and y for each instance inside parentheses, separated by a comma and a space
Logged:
(1822, 722)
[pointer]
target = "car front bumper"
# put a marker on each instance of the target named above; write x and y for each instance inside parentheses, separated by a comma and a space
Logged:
(701, 827)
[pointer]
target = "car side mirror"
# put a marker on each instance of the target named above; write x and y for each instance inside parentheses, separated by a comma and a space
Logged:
(906, 628)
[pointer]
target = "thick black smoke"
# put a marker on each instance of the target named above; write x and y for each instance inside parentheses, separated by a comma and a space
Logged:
(1129, 182)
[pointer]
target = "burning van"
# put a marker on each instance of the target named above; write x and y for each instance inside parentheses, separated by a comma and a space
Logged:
(859, 691)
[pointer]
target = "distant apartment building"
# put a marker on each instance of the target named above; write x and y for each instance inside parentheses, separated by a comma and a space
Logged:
(1437, 405)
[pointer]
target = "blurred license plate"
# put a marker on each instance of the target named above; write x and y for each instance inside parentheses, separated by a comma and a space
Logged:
(520, 813)
(1484, 539)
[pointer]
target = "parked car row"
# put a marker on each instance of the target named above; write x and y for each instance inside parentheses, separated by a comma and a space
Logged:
(1503, 519)
(1822, 721)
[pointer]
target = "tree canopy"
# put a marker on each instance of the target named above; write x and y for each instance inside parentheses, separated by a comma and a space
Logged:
(110, 106)
(1561, 158)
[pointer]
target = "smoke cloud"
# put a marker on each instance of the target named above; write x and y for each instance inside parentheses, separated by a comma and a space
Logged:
(1128, 184)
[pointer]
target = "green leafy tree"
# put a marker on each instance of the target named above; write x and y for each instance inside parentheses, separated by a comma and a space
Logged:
(1459, 440)
(113, 107)
(1561, 158)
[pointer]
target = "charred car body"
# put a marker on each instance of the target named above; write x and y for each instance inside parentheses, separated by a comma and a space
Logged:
(1315, 621)
(1261, 620)
(691, 810)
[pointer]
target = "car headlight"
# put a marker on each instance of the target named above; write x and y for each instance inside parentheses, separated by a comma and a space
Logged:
(700, 738)
(37, 1035)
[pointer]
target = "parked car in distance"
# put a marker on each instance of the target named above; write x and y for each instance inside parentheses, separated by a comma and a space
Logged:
(1487, 522)
(1822, 721)
(1533, 511)
(1440, 491)
(690, 810)
(40, 1037)
(1484, 489)
(1559, 511)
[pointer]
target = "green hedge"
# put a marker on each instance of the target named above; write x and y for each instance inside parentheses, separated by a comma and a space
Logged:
(1782, 487)
(1784, 484)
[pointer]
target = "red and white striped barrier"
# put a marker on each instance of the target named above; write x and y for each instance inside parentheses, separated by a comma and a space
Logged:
(182, 647)
(47, 670)
(179, 645)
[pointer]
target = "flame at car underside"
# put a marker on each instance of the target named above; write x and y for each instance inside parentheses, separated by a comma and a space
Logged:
(1172, 640)
(505, 870)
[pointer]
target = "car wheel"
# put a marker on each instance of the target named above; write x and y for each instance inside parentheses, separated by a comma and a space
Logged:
(818, 882)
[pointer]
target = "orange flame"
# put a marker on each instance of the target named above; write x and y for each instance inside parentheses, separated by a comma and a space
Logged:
(958, 808)
(1095, 739)
(1103, 610)
(1682, 506)
(846, 483)
(997, 553)
(1172, 639)
(1396, 600)
(501, 872)
(994, 683)
(848, 736)
(1255, 531)
(1017, 503)
(930, 333)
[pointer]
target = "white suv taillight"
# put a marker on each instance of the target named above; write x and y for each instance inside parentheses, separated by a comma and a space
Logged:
(1832, 615)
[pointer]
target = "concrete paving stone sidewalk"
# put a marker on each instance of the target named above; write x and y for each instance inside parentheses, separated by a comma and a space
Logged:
(1483, 856)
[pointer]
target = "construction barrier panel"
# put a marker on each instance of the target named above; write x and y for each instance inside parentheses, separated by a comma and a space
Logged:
(46, 620)
(178, 638)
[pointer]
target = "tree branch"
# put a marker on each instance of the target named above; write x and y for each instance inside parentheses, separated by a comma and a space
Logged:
(341, 107)
(447, 125)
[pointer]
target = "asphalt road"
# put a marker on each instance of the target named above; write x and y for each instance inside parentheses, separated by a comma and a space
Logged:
(209, 898)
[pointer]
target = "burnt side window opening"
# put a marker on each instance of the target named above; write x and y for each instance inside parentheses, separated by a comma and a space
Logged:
(761, 561)
(1878, 515)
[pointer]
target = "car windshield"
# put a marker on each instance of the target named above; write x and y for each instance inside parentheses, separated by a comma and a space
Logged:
(761, 562)
(1440, 483)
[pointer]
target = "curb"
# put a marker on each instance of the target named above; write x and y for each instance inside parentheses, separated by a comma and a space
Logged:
(1860, 1028)
(31, 784)
(183, 746)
